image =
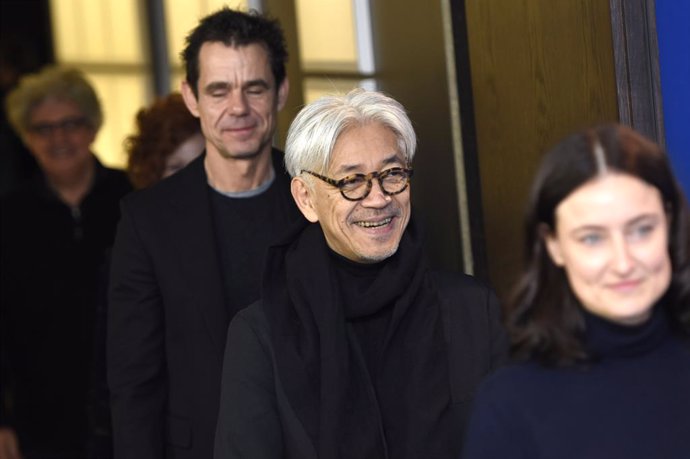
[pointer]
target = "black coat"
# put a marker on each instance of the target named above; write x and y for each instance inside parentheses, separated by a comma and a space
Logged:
(256, 418)
(167, 320)
(50, 259)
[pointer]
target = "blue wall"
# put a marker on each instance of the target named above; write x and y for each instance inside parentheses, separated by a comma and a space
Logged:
(673, 30)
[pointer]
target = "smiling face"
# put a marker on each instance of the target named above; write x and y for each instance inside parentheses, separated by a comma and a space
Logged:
(238, 101)
(365, 231)
(60, 138)
(611, 238)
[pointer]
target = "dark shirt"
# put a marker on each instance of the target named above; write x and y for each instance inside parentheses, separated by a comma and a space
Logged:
(632, 401)
(50, 259)
(260, 219)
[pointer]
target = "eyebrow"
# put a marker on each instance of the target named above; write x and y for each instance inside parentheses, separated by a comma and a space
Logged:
(216, 86)
(392, 159)
(224, 85)
(634, 221)
(257, 82)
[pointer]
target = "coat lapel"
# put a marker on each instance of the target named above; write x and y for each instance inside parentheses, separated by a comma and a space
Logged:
(198, 251)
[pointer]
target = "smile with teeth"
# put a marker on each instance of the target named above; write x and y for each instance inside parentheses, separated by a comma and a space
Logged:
(383, 222)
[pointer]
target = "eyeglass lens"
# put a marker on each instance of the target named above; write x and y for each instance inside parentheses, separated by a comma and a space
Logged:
(67, 125)
(392, 181)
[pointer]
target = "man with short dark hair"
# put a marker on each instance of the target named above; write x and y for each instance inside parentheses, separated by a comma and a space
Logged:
(189, 250)
(356, 349)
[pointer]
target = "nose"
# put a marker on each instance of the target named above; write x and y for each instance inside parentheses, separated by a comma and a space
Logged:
(57, 135)
(376, 197)
(623, 260)
(238, 103)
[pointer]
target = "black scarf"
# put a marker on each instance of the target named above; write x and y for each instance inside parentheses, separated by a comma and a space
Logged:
(321, 363)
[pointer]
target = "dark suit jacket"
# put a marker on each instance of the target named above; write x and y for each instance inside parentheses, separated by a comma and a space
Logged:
(167, 320)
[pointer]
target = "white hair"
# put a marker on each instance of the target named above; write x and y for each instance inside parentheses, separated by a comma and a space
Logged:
(314, 132)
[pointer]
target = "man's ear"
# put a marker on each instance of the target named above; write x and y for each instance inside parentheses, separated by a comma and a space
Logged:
(189, 98)
(302, 194)
(283, 91)
(553, 245)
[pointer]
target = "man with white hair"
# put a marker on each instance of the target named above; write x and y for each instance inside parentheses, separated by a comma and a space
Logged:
(356, 348)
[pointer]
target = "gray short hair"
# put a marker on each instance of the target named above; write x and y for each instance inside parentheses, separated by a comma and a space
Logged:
(314, 132)
(52, 82)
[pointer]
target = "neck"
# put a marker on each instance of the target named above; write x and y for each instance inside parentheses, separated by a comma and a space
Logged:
(73, 187)
(237, 174)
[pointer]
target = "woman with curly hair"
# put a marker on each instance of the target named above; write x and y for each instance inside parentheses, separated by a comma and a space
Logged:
(600, 324)
(168, 138)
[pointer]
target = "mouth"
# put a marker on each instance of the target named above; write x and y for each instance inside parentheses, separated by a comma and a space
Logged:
(625, 286)
(374, 224)
(61, 153)
(239, 130)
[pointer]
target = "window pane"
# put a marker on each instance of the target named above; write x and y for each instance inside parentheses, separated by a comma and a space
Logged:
(318, 87)
(176, 80)
(88, 31)
(326, 35)
(118, 113)
(182, 16)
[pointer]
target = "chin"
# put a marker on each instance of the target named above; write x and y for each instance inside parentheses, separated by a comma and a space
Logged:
(241, 154)
(378, 256)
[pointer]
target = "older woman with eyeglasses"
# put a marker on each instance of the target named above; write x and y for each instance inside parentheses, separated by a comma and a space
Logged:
(54, 234)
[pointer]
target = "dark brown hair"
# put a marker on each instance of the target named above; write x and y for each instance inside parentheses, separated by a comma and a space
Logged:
(161, 128)
(545, 319)
(236, 28)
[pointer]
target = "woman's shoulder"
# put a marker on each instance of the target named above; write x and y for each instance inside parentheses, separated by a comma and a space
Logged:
(521, 381)
(512, 376)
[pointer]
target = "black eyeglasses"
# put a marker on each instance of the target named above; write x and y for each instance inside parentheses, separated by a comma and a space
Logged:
(358, 186)
(67, 125)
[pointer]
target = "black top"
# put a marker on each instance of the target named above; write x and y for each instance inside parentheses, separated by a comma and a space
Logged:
(632, 401)
(259, 218)
(51, 255)
(354, 280)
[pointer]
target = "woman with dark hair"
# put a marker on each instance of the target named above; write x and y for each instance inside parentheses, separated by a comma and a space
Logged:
(600, 322)
(168, 138)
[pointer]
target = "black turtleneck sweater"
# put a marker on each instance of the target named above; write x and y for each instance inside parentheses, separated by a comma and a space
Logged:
(632, 401)
(370, 328)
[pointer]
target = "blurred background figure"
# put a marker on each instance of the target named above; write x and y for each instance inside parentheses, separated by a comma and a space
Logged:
(16, 163)
(54, 233)
(168, 138)
(601, 317)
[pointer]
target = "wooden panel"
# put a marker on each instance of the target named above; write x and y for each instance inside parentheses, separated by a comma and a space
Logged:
(540, 69)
